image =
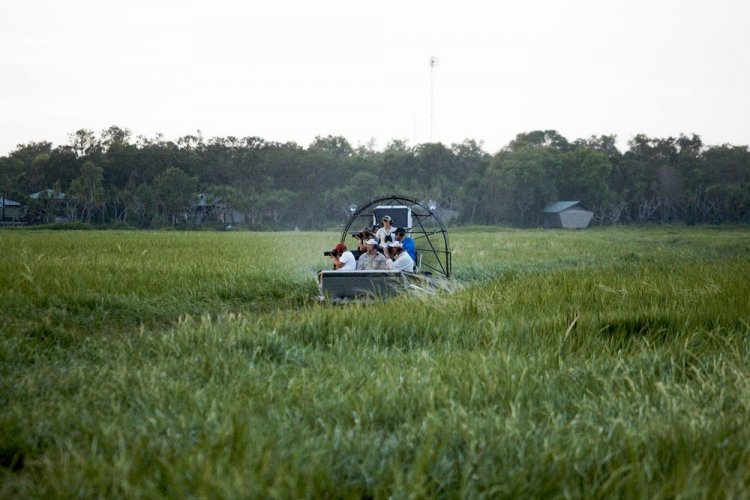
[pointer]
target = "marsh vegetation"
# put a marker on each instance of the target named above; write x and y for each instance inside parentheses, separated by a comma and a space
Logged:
(610, 362)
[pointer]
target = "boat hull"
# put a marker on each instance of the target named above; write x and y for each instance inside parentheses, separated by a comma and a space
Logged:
(344, 285)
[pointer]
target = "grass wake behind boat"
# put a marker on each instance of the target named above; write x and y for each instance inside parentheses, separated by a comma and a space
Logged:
(604, 362)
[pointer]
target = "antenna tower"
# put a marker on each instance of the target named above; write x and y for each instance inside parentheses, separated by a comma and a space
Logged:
(433, 63)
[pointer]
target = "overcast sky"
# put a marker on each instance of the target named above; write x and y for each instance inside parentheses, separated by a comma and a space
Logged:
(290, 70)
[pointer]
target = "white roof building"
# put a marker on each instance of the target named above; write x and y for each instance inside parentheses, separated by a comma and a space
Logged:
(567, 214)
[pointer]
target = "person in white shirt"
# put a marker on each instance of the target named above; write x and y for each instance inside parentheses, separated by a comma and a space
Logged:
(343, 259)
(401, 260)
(386, 233)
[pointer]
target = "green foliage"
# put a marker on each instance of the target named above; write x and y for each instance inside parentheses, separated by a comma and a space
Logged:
(175, 191)
(605, 363)
(86, 191)
(524, 181)
(285, 185)
(11, 178)
(544, 138)
(584, 175)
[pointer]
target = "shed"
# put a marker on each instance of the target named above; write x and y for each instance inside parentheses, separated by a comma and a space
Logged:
(11, 212)
(567, 214)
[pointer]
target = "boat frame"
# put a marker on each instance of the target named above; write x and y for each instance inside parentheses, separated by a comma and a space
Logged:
(431, 244)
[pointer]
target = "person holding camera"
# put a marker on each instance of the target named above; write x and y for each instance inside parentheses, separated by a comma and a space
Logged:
(343, 259)
(371, 259)
(362, 238)
(400, 260)
(385, 233)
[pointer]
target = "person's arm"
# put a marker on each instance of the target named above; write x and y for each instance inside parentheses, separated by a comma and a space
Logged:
(381, 262)
(336, 262)
(398, 264)
(361, 245)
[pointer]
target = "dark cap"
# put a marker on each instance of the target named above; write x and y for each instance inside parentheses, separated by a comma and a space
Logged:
(400, 230)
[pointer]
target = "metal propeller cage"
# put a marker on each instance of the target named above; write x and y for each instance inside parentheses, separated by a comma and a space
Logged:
(427, 230)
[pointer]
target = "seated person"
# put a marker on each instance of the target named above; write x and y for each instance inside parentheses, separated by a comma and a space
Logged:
(343, 260)
(385, 233)
(362, 238)
(400, 261)
(407, 243)
(371, 259)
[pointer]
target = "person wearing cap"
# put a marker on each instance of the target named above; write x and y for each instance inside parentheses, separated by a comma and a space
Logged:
(385, 233)
(343, 259)
(400, 260)
(406, 242)
(371, 259)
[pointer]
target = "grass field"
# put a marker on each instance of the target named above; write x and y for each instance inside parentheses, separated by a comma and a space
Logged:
(612, 362)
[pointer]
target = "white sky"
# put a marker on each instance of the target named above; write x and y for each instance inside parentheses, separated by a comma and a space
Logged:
(290, 70)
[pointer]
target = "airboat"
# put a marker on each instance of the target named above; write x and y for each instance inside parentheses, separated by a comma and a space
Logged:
(432, 265)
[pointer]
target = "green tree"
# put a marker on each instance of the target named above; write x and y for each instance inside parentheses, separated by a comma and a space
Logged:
(84, 143)
(521, 182)
(336, 146)
(87, 190)
(434, 174)
(144, 206)
(606, 144)
(546, 138)
(362, 188)
(27, 152)
(471, 163)
(584, 177)
(11, 178)
(176, 192)
(398, 159)
(115, 136)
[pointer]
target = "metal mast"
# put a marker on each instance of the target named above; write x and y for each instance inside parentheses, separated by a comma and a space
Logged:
(433, 63)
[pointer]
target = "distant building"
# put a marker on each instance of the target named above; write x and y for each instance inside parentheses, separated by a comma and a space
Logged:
(210, 207)
(567, 214)
(46, 206)
(12, 212)
(49, 194)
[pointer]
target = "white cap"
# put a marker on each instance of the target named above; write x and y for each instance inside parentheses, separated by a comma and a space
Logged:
(395, 244)
(372, 242)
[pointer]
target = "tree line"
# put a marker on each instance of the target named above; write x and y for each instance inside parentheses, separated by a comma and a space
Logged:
(111, 178)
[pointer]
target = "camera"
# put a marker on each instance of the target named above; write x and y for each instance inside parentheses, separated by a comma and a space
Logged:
(332, 253)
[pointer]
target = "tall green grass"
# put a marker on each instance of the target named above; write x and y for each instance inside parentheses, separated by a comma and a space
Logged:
(599, 363)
